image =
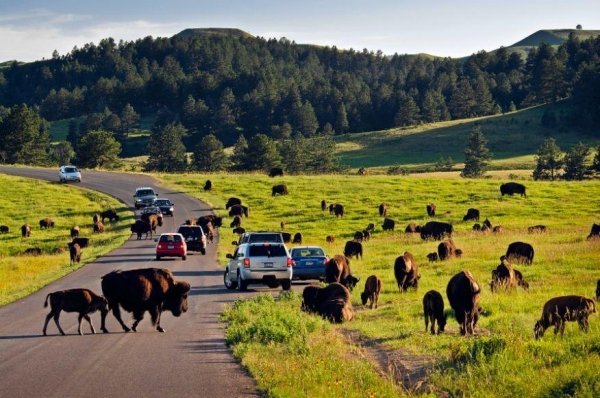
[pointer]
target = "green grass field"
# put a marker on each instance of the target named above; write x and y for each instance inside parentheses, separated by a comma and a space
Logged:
(28, 201)
(503, 359)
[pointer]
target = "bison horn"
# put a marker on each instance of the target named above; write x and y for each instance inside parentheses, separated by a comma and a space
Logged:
(182, 287)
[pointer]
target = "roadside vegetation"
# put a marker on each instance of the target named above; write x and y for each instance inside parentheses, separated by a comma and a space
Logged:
(503, 358)
(26, 200)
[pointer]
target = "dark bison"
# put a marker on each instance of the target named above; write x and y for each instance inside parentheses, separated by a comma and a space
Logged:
(46, 223)
(432, 257)
(476, 227)
(216, 221)
(239, 210)
(287, 237)
(511, 188)
(503, 277)
(520, 252)
(239, 230)
(4, 229)
(74, 253)
(486, 224)
(98, 227)
(463, 295)
(540, 229)
(430, 210)
(232, 202)
(280, 189)
(82, 301)
(436, 230)
(110, 214)
(366, 235)
(412, 228)
(370, 228)
(447, 250)
(372, 290)
(208, 185)
(595, 232)
(338, 210)
(82, 242)
(140, 227)
(276, 171)
(433, 311)
(472, 214)
(559, 310)
(362, 171)
(331, 302)
(338, 270)
(140, 290)
(388, 224)
(383, 208)
(25, 231)
(323, 205)
(353, 248)
(297, 238)
(282, 225)
(359, 236)
(236, 222)
(330, 239)
(406, 272)
(74, 232)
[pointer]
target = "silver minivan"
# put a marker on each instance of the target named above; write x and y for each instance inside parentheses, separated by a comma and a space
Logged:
(267, 263)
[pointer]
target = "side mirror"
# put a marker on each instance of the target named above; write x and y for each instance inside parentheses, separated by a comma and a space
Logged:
(156, 240)
(229, 255)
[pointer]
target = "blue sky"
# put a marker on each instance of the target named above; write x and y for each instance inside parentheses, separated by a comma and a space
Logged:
(32, 29)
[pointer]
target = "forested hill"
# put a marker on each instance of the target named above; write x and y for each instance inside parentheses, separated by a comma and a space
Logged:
(228, 82)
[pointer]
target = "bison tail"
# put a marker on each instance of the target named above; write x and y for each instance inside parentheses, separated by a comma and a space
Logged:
(46, 302)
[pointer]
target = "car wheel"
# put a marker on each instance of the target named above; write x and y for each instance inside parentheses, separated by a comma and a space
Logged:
(229, 284)
(157, 258)
(242, 284)
(183, 258)
(286, 284)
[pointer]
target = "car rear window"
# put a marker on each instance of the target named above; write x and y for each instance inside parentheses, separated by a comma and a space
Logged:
(162, 202)
(188, 232)
(70, 170)
(307, 252)
(145, 192)
(170, 238)
(267, 251)
(254, 238)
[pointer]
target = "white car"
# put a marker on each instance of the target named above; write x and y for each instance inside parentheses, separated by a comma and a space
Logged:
(69, 173)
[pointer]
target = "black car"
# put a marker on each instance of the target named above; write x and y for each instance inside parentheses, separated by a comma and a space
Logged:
(194, 238)
(165, 205)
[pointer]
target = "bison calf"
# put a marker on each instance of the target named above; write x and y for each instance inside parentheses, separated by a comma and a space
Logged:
(372, 290)
(432, 257)
(82, 301)
(559, 310)
(433, 311)
(75, 232)
(4, 229)
(98, 227)
(74, 253)
(25, 231)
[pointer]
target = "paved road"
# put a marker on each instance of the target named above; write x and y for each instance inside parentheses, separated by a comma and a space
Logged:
(191, 359)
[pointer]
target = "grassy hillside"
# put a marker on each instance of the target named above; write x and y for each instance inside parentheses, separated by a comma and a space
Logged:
(28, 201)
(503, 358)
(513, 139)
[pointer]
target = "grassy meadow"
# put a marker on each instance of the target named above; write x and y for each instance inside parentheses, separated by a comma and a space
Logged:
(26, 200)
(503, 359)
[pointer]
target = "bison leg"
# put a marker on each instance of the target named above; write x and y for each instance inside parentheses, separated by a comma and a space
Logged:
(138, 316)
(117, 313)
(583, 323)
(556, 326)
(79, 318)
(87, 318)
(50, 315)
(56, 316)
(155, 314)
(401, 286)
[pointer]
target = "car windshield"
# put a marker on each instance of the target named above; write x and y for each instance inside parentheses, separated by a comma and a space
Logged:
(71, 170)
(162, 202)
(170, 238)
(264, 238)
(308, 252)
(267, 251)
(151, 209)
(144, 192)
(190, 232)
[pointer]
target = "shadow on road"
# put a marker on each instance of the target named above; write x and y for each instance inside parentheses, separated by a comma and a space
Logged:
(197, 273)
(30, 336)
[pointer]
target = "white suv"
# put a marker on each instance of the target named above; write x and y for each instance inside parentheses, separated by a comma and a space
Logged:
(266, 263)
(69, 173)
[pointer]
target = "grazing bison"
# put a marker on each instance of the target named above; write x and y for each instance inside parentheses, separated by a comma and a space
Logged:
(436, 230)
(331, 302)
(338, 270)
(33, 251)
(432, 257)
(110, 214)
(388, 224)
(406, 272)
(463, 294)
(433, 311)
(362, 171)
(447, 250)
(287, 237)
(476, 227)
(511, 188)
(472, 214)
(232, 202)
(323, 205)
(359, 236)
(353, 248)
(430, 210)
(140, 227)
(297, 238)
(370, 227)
(98, 227)
(540, 229)
(486, 224)
(74, 253)
(239, 210)
(372, 290)
(559, 310)
(208, 185)
(503, 277)
(412, 228)
(498, 229)
(46, 223)
(239, 230)
(75, 232)
(330, 239)
(595, 232)
(4, 229)
(280, 189)
(95, 218)
(366, 235)
(82, 301)
(520, 252)
(276, 171)
(140, 290)
(236, 222)
(82, 242)
(383, 208)
(338, 210)
(25, 231)
(216, 221)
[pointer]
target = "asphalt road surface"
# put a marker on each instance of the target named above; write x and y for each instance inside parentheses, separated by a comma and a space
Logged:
(189, 360)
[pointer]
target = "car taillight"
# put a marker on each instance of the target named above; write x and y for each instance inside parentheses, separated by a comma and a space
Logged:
(290, 262)
(160, 246)
(246, 262)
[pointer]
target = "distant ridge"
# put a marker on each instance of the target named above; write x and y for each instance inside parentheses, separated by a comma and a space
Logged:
(554, 37)
(199, 32)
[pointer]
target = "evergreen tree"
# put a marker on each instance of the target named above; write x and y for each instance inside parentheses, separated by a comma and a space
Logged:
(341, 119)
(433, 107)
(73, 133)
(477, 155)
(408, 112)
(166, 150)
(98, 149)
(62, 153)
(24, 137)
(548, 161)
(322, 156)
(595, 167)
(483, 102)
(129, 120)
(462, 100)
(261, 154)
(575, 168)
(294, 153)
(305, 119)
(209, 155)
(240, 150)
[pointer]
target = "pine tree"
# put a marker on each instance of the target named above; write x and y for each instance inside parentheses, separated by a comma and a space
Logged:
(477, 155)
(548, 161)
(305, 119)
(341, 119)
(595, 167)
(98, 148)
(408, 112)
(209, 155)
(73, 134)
(166, 150)
(24, 136)
(129, 120)
(294, 154)
(261, 154)
(575, 168)
(240, 150)
(62, 153)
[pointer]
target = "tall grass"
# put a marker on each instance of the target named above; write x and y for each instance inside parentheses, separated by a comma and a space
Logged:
(28, 201)
(565, 263)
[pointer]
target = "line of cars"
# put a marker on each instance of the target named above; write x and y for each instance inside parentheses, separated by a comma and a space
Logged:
(263, 258)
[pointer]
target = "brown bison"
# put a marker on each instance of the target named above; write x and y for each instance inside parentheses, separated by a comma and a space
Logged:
(432, 257)
(486, 224)
(236, 222)
(383, 208)
(216, 221)
(33, 251)
(388, 224)
(595, 232)
(503, 276)
(330, 239)
(472, 214)
(140, 290)
(239, 230)
(140, 227)
(239, 210)
(74, 252)
(323, 205)
(232, 202)
(463, 294)
(280, 189)
(110, 214)
(82, 301)
(412, 228)
(25, 231)
(559, 310)
(370, 228)
(433, 311)
(498, 229)
(353, 248)
(287, 237)
(297, 238)
(511, 188)
(4, 229)
(96, 218)
(82, 242)
(151, 219)
(74, 232)
(447, 250)
(276, 171)
(430, 210)
(46, 223)
(539, 229)
(359, 236)
(208, 185)
(520, 252)
(338, 270)
(338, 210)
(372, 290)
(331, 302)
(406, 272)
(98, 227)
(476, 227)
(436, 230)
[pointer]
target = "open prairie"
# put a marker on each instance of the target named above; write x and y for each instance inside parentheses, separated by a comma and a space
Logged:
(503, 358)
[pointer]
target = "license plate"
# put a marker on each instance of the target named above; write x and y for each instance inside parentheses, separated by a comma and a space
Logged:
(170, 247)
(268, 265)
(310, 263)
